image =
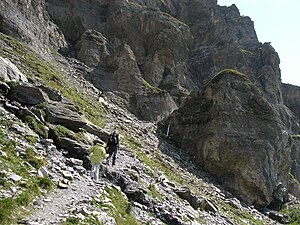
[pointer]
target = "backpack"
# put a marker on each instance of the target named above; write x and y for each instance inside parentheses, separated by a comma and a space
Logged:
(113, 139)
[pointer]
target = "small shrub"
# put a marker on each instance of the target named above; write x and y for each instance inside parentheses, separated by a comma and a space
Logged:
(61, 131)
(293, 213)
(24, 198)
(13, 84)
(44, 183)
(31, 158)
(71, 221)
(30, 139)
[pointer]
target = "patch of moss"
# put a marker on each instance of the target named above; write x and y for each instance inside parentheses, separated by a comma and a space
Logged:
(61, 131)
(244, 51)
(227, 72)
(153, 192)
(39, 128)
(150, 88)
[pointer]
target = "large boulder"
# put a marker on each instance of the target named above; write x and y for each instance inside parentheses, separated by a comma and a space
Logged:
(153, 105)
(60, 113)
(235, 134)
(92, 49)
(28, 95)
(9, 72)
(121, 73)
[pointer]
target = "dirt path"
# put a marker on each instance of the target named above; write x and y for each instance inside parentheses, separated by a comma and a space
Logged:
(57, 205)
(52, 208)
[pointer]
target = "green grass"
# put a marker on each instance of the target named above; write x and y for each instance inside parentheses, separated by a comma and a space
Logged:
(244, 51)
(61, 131)
(121, 210)
(32, 65)
(153, 192)
(151, 88)
(227, 72)
(71, 221)
(293, 213)
(238, 216)
(33, 159)
(14, 208)
(30, 139)
(37, 127)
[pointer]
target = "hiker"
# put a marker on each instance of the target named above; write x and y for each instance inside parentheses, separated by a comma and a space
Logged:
(112, 146)
(97, 155)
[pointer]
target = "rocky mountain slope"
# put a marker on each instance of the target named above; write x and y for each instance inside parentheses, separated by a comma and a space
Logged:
(71, 71)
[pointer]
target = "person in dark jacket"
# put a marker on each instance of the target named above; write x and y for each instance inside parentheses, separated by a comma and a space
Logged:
(112, 146)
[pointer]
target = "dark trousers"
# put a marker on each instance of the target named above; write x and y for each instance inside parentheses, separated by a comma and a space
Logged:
(112, 152)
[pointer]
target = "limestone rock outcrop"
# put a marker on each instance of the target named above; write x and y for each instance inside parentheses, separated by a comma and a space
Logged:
(9, 72)
(291, 97)
(235, 133)
(59, 113)
(28, 21)
(176, 45)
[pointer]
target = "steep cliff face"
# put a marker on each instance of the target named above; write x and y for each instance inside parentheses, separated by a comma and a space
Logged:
(178, 45)
(28, 21)
(235, 133)
(291, 97)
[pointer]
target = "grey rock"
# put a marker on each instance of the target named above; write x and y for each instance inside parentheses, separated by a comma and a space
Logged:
(22, 130)
(103, 218)
(29, 22)
(208, 205)
(281, 218)
(44, 172)
(52, 93)
(98, 131)
(67, 174)
(9, 72)
(92, 49)
(4, 88)
(224, 127)
(80, 169)
(59, 113)
(75, 162)
(62, 185)
(28, 95)
(14, 177)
